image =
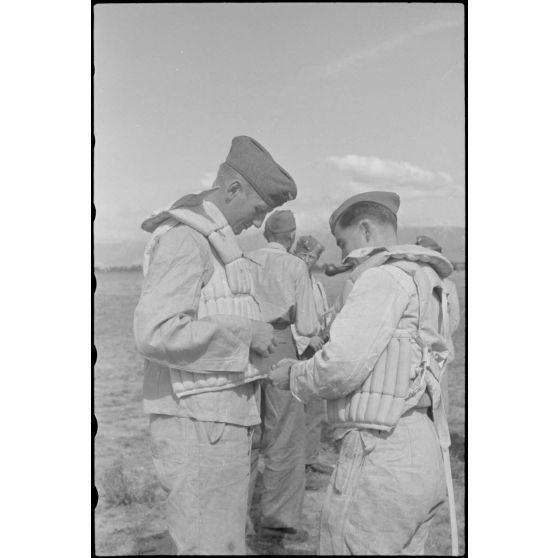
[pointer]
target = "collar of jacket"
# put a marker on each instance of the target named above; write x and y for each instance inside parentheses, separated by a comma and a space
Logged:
(159, 216)
(276, 246)
(375, 257)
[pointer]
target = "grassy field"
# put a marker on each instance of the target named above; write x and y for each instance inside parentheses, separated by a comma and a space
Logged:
(129, 518)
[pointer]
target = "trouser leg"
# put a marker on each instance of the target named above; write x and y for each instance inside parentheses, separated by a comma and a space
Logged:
(254, 458)
(284, 456)
(314, 412)
(384, 491)
(415, 547)
(205, 467)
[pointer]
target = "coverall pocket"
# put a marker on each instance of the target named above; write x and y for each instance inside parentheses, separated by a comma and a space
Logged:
(343, 473)
(167, 450)
(349, 464)
(215, 431)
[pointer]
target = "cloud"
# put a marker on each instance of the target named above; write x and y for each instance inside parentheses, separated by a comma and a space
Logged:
(388, 45)
(207, 179)
(406, 178)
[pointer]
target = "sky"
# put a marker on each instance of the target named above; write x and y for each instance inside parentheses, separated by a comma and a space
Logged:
(346, 97)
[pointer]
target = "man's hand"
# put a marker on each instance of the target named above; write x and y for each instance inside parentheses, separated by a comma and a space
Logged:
(316, 343)
(280, 373)
(262, 343)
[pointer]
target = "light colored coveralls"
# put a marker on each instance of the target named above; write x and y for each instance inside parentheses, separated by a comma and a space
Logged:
(386, 485)
(201, 442)
(314, 410)
(285, 294)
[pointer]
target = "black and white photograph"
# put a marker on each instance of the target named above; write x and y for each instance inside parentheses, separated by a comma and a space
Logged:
(280, 260)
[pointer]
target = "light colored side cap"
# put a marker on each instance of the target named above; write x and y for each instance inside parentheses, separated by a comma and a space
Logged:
(390, 200)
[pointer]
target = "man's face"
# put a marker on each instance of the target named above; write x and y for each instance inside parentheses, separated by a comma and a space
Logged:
(350, 238)
(310, 260)
(246, 208)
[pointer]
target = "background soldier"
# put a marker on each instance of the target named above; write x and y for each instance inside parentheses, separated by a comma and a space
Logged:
(285, 293)
(379, 372)
(453, 299)
(199, 328)
(309, 250)
(450, 291)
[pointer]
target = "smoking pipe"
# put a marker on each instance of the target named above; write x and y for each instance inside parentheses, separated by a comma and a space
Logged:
(331, 269)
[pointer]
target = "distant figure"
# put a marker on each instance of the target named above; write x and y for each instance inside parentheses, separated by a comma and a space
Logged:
(284, 291)
(200, 330)
(309, 250)
(451, 289)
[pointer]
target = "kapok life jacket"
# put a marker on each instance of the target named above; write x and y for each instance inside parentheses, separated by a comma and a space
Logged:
(414, 360)
(230, 290)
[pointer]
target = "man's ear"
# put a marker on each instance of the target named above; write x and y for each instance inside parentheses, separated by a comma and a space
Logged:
(366, 229)
(232, 190)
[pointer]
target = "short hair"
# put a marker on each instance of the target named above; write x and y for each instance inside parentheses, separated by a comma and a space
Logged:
(370, 210)
(281, 237)
(226, 175)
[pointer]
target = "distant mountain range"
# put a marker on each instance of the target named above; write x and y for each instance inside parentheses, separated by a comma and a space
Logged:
(129, 253)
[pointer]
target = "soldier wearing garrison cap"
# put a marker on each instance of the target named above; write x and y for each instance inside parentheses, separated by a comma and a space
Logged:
(453, 300)
(453, 304)
(200, 329)
(284, 290)
(309, 250)
(379, 373)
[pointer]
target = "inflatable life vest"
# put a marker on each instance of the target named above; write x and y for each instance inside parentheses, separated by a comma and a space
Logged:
(414, 360)
(230, 290)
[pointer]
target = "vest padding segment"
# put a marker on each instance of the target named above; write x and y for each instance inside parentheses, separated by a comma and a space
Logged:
(390, 378)
(403, 366)
(198, 222)
(371, 414)
(354, 403)
(392, 360)
(378, 380)
(364, 399)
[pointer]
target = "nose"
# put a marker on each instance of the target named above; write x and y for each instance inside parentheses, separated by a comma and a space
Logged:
(257, 223)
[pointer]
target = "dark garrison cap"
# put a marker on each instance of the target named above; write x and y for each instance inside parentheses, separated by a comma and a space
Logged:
(427, 242)
(390, 200)
(281, 221)
(254, 162)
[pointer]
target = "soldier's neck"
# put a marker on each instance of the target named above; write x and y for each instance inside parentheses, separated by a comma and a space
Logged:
(384, 238)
